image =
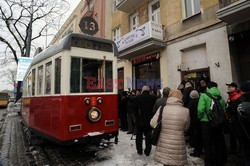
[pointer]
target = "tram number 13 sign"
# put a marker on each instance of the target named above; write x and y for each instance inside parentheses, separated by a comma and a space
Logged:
(88, 25)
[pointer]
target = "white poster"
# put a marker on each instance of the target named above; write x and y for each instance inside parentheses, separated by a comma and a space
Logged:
(23, 65)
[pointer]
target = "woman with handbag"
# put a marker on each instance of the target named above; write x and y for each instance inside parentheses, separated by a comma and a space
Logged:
(171, 147)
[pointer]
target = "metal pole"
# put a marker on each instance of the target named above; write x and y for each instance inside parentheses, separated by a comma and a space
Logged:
(29, 32)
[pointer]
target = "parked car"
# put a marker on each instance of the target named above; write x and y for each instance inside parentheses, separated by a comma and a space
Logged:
(18, 106)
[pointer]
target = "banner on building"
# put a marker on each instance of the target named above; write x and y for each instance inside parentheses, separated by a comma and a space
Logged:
(23, 65)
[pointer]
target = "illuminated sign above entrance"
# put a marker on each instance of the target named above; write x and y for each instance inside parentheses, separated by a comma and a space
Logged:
(143, 59)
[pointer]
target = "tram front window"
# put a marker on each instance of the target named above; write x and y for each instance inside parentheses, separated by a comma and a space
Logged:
(90, 75)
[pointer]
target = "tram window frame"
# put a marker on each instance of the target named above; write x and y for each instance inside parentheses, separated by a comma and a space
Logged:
(33, 82)
(40, 80)
(29, 84)
(58, 71)
(48, 78)
(79, 82)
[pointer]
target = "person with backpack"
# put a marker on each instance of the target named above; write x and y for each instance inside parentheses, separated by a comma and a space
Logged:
(211, 109)
(243, 121)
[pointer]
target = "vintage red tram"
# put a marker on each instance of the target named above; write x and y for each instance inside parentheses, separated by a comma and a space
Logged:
(65, 93)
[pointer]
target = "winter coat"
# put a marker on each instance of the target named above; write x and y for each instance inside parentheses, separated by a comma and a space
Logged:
(159, 102)
(144, 108)
(186, 95)
(194, 120)
(205, 103)
(131, 104)
(171, 147)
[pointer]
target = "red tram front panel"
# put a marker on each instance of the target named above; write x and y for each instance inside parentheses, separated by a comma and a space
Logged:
(65, 118)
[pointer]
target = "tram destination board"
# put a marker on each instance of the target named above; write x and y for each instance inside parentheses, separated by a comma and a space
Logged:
(89, 44)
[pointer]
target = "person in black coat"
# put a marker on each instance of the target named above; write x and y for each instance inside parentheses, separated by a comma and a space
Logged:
(195, 130)
(131, 112)
(160, 101)
(186, 93)
(243, 127)
(144, 113)
(122, 106)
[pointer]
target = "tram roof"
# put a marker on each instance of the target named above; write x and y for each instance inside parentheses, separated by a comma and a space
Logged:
(66, 44)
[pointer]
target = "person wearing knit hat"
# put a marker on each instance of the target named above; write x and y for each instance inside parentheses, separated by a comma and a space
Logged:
(195, 131)
(212, 84)
(245, 86)
(194, 94)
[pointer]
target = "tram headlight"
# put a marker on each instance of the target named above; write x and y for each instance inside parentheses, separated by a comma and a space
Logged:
(87, 101)
(99, 100)
(94, 114)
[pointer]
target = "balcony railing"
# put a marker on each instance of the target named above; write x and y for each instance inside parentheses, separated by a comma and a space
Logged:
(149, 30)
(224, 3)
(234, 11)
(128, 5)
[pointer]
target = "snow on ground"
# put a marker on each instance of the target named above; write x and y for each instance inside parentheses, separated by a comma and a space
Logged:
(125, 154)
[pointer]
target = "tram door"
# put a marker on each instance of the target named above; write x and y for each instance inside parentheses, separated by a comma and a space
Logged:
(195, 76)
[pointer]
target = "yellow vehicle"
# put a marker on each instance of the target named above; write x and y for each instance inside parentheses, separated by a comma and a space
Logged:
(4, 99)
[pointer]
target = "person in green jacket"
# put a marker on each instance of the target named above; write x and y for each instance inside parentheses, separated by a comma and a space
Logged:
(205, 102)
(213, 138)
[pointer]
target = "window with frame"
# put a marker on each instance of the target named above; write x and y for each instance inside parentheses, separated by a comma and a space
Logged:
(29, 83)
(191, 7)
(40, 80)
(91, 75)
(134, 21)
(48, 78)
(58, 75)
(154, 11)
(116, 33)
(33, 81)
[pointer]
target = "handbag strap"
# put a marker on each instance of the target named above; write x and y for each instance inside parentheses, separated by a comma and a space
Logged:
(160, 114)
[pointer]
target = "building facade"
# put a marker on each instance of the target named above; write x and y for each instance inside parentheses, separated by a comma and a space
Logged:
(180, 38)
(100, 10)
(236, 13)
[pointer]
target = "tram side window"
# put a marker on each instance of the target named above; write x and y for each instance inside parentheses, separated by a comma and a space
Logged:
(40, 80)
(29, 85)
(75, 75)
(48, 78)
(33, 81)
(58, 76)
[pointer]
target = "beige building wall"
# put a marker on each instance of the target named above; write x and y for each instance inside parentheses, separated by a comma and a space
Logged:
(127, 66)
(180, 30)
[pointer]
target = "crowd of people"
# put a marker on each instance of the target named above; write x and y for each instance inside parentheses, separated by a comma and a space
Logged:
(187, 118)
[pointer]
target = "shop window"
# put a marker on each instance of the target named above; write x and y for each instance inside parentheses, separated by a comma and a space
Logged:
(48, 78)
(154, 11)
(40, 80)
(58, 76)
(190, 7)
(116, 33)
(33, 81)
(134, 21)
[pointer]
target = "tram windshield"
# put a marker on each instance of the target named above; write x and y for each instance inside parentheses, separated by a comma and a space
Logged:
(91, 75)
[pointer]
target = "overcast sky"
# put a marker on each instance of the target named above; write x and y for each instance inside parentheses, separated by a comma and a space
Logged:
(73, 3)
